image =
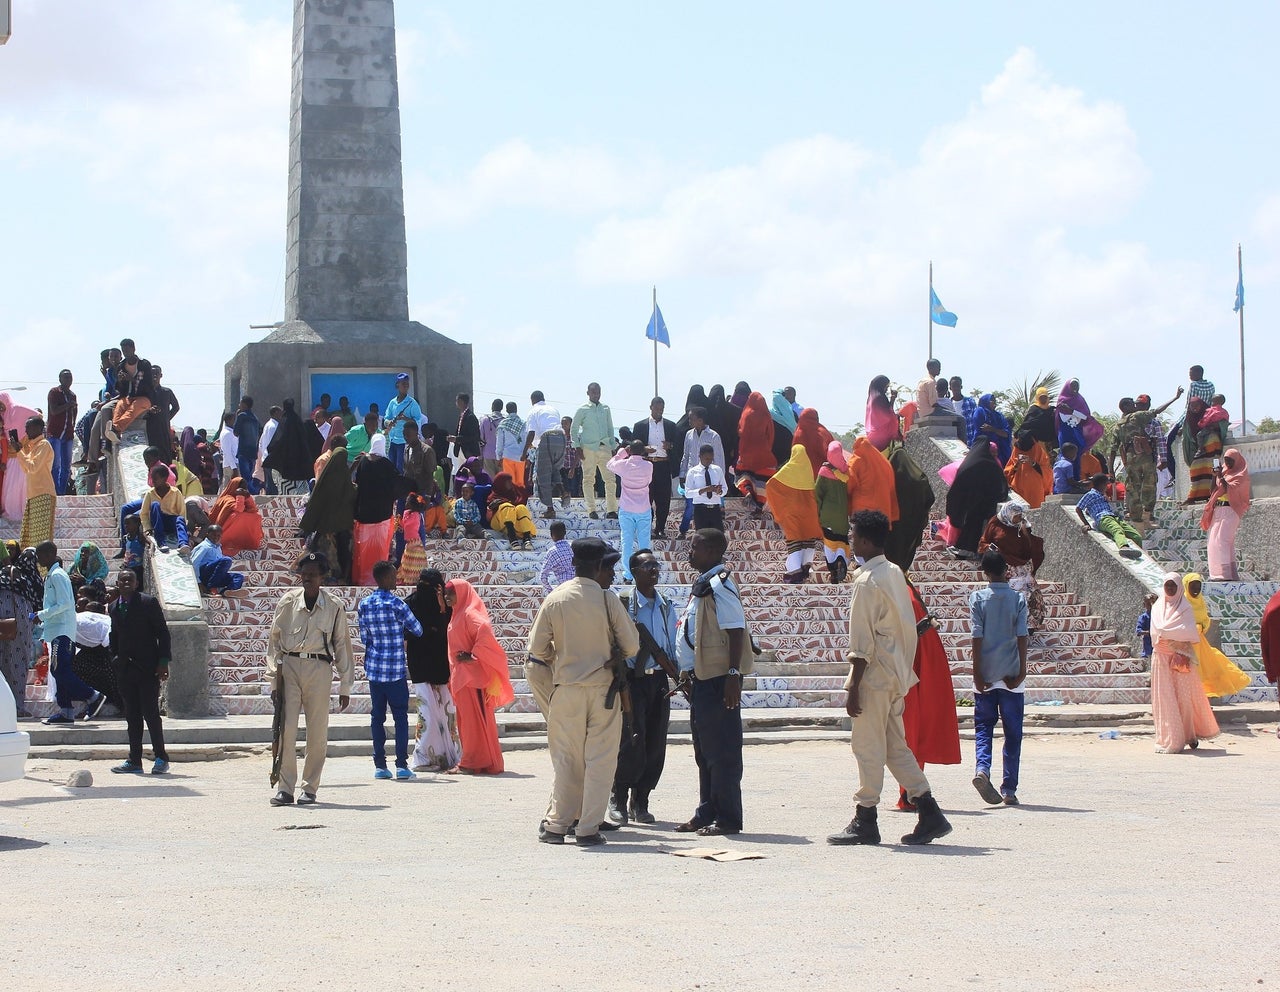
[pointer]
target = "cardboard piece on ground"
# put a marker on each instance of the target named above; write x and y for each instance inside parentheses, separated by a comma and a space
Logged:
(718, 854)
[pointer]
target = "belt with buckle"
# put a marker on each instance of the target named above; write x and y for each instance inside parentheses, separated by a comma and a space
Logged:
(309, 657)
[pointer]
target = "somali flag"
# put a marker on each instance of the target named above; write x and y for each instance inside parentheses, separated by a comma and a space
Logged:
(657, 329)
(939, 314)
(1239, 292)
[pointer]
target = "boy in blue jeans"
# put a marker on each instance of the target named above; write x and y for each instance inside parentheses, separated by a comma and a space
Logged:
(384, 620)
(998, 622)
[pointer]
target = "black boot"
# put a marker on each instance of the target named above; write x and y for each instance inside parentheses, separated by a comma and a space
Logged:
(617, 811)
(862, 829)
(511, 534)
(640, 808)
(931, 823)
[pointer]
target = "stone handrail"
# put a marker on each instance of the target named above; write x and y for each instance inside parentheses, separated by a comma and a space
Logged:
(170, 578)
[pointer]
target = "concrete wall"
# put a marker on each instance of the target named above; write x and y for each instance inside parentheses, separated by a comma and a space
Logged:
(1090, 567)
(1258, 540)
(1261, 452)
(273, 370)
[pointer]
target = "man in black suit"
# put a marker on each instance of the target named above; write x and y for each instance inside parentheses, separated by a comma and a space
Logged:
(659, 436)
(466, 439)
(140, 644)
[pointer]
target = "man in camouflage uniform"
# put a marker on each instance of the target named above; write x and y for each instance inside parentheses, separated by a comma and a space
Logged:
(1134, 445)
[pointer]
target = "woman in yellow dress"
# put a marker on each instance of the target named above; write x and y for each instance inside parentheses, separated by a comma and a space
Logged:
(1218, 675)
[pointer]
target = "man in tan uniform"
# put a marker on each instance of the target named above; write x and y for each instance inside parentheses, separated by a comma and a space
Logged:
(308, 640)
(882, 648)
(575, 632)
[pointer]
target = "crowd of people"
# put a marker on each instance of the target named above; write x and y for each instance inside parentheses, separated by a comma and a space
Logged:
(381, 484)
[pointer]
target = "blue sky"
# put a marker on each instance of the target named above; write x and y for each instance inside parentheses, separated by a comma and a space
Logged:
(1080, 179)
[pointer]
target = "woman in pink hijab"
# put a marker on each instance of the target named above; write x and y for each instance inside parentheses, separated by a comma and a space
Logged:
(1178, 703)
(1221, 517)
(13, 491)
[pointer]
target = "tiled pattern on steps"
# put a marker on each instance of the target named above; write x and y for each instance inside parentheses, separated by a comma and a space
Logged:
(1075, 658)
(1178, 544)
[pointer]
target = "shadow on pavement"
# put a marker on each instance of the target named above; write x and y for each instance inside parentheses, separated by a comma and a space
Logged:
(20, 844)
(1036, 808)
(109, 792)
(946, 850)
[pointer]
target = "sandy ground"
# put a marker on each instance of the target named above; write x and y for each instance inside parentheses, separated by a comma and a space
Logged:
(1123, 869)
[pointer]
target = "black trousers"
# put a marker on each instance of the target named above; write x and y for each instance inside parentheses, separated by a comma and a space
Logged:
(140, 692)
(705, 515)
(660, 494)
(717, 748)
(640, 761)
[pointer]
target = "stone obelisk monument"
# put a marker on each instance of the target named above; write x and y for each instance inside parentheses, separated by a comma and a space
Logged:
(346, 328)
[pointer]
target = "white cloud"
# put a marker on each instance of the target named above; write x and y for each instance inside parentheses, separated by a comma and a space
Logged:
(563, 179)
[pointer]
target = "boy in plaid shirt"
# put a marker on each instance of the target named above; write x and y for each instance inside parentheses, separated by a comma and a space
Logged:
(384, 619)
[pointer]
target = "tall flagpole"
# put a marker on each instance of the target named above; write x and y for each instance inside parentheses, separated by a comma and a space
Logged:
(931, 308)
(1240, 275)
(655, 342)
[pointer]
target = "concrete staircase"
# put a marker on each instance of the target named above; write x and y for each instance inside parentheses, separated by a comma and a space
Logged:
(78, 519)
(802, 628)
(1178, 544)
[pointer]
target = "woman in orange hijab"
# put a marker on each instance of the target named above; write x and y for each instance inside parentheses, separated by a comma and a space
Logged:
(1028, 470)
(872, 484)
(813, 436)
(480, 681)
(237, 514)
(756, 464)
(795, 507)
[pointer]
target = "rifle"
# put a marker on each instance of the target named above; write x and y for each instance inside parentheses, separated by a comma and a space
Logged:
(650, 648)
(277, 725)
(618, 689)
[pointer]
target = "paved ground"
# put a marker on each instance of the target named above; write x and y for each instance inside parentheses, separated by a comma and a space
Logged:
(1123, 869)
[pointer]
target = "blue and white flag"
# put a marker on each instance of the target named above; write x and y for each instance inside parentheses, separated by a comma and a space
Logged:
(938, 313)
(657, 329)
(1239, 291)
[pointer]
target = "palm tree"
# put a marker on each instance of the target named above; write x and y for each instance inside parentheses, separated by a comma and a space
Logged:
(1022, 394)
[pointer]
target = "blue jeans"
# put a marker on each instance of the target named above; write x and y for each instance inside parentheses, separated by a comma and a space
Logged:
(128, 510)
(218, 575)
(1007, 706)
(244, 468)
(687, 519)
(61, 464)
(396, 695)
(395, 451)
(70, 686)
(636, 532)
(163, 525)
(717, 748)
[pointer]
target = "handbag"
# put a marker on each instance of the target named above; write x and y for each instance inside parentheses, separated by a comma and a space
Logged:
(9, 629)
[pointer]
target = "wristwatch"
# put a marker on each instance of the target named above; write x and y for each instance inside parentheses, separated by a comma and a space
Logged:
(734, 671)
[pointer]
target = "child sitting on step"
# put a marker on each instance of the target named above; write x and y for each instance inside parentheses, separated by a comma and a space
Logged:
(164, 511)
(466, 512)
(132, 542)
(212, 567)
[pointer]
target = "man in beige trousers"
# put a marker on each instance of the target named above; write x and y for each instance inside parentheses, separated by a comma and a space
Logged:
(308, 640)
(577, 629)
(882, 648)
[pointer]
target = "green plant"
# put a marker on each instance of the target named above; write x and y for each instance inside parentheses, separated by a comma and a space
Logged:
(1020, 395)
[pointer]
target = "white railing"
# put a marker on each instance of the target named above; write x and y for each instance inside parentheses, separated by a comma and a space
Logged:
(1261, 452)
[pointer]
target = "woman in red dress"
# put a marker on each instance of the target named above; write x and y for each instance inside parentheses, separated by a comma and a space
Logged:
(480, 681)
(929, 714)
